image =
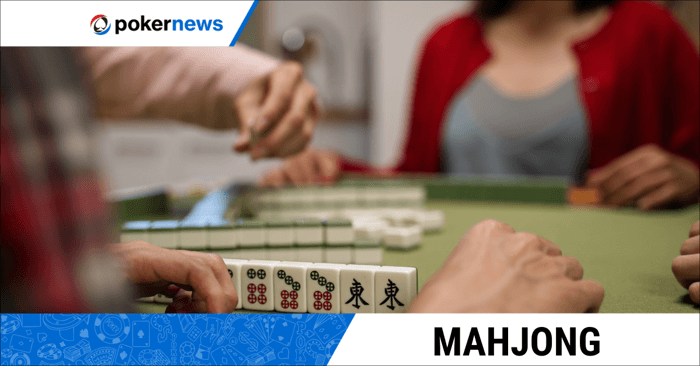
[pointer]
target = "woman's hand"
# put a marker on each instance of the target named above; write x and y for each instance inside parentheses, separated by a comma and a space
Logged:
(648, 176)
(311, 166)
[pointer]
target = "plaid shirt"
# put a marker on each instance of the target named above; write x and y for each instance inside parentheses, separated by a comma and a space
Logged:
(54, 222)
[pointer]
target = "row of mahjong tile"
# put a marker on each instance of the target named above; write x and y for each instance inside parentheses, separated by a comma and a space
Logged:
(314, 254)
(216, 233)
(221, 234)
(428, 220)
(336, 197)
(320, 288)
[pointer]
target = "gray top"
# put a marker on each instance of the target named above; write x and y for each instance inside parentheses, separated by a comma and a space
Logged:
(489, 133)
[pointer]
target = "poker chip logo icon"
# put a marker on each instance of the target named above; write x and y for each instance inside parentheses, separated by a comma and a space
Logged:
(100, 24)
(101, 356)
(49, 352)
(10, 326)
(20, 359)
(112, 328)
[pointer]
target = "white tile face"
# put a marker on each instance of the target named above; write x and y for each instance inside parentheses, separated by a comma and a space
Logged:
(250, 237)
(234, 270)
(146, 299)
(290, 287)
(222, 239)
(340, 235)
(165, 239)
(357, 289)
(322, 288)
(193, 239)
(314, 255)
(394, 289)
(372, 256)
(433, 220)
(369, 234)
(342, 255)
(257, 288)
(308, 235)
(403, 237)
(162, 299)
(280, 236)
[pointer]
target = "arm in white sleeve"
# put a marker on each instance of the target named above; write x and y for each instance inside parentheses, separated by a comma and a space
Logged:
(191, 84)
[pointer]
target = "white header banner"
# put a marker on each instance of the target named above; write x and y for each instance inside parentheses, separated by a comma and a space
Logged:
(523, 339)
(123, 23)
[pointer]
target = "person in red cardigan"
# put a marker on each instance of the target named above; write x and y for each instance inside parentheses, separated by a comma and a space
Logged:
(633, 68)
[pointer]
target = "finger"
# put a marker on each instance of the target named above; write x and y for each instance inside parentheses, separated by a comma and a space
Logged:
(292, 174)
(280, 95)
(299, 142)
(525, 242)
(243, 141)
(686, 268)
(591, 296)
(694, 291)
(605, 173)
(180, 301)
(294, 122)
(550, 248)
(573, 268)
(218, 267)
(327, 167)
(182, 267)
(640, 186)
(659, 197)
(274, 178)
(641, 167)
(303, 164)
(695, 229)
(171, 291)
(691, 246)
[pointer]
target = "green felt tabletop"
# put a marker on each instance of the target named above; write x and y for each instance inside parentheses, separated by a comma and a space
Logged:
(627, 251)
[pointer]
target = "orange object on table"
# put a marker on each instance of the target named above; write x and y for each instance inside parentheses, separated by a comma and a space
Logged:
(583, 196)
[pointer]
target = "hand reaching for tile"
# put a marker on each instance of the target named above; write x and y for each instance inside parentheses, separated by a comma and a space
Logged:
(277, 113)
(198, 282)
(686, 267)
(493, 269)
(310, 166)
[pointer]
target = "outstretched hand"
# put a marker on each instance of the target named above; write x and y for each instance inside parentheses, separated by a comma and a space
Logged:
(281, 109)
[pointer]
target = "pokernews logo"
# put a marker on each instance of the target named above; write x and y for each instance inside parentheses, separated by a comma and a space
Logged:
(100, 25)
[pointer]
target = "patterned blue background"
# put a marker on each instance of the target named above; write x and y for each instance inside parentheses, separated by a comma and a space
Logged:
(171, 339)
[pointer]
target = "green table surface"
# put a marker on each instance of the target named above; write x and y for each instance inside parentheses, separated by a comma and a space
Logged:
(627, 251)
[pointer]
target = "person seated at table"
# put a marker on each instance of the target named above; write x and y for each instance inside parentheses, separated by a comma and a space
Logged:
(686, 267)
(602, 92)
(55, 226)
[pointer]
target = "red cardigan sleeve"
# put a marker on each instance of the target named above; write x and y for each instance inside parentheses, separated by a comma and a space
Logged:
(682, 95)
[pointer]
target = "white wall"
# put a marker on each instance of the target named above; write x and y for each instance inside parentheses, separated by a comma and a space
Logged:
(398, 29)
(164, 154)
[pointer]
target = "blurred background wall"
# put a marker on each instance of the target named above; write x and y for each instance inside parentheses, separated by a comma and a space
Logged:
(360, 55)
